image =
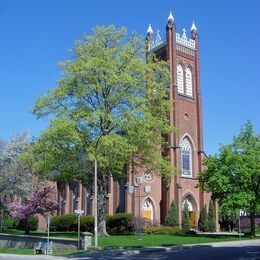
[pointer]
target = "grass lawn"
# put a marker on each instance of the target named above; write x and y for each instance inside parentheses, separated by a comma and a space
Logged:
(16, 251)
(247, 230)
(159, 240)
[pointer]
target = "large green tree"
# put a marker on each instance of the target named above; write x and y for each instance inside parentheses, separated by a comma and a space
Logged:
(233, 176)
(111, 105)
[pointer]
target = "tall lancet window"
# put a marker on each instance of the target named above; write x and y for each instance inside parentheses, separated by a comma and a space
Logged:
(180, 79)
(75, 196)
(188, 82)
(186, 158)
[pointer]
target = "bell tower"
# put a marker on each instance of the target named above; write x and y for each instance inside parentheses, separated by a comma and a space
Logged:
(185, 147)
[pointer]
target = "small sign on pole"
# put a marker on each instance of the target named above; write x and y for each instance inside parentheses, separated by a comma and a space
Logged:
(78, 213)
(242, 213)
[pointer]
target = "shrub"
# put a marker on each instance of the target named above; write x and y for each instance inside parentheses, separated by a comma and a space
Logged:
(119, 224)
(116, 224)
(211, 217)
(32, 223)
(14, 223)
(64, 223)
(164, 230)
(87, 223)
(11, 223)
(54, 223)
(203, 220)
(69, 222)
(172, 218)
(185, 222)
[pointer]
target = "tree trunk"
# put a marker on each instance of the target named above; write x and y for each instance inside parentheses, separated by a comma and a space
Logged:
(102, 204)
(252, 223)
(2, 211)
(26, 226)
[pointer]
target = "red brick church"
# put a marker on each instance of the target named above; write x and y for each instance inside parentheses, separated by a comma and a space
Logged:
(185, 147)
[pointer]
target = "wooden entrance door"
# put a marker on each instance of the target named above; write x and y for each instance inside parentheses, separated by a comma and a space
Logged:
(193, 219)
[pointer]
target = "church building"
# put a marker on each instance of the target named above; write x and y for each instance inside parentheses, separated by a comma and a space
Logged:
(150, 196)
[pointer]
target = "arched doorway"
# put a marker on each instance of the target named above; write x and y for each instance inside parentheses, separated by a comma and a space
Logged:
(192, 210)
(148, 210)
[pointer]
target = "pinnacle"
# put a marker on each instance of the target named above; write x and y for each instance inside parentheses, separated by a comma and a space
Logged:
(170, 18)
(193, 27)
(149, 30)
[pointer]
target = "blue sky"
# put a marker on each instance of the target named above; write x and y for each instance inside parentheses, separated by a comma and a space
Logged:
(36, 35)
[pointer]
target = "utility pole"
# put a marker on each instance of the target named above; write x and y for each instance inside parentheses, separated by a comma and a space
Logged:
(95, 207)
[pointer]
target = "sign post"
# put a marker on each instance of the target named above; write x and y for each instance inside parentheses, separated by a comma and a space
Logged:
(78, 214)
(48, 221)
(241, 214)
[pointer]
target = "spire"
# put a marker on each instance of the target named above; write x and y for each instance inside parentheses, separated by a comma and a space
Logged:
(170, 18)
(193, 27)
(149, 30)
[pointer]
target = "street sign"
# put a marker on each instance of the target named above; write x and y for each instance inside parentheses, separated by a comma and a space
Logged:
(79, 212)
(243, 213)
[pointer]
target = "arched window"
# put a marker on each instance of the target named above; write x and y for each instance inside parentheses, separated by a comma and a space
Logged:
(188, 76)
(180, 79)
(75, 196)
(188, 201)
(89, 200)
(62, 199)
(186, 158)
(148, 209)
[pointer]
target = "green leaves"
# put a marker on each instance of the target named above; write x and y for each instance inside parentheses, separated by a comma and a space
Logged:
(110, 105)
(59, 149)
(233, 176)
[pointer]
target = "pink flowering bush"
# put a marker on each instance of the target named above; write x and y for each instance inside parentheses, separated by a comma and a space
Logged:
(41, 203)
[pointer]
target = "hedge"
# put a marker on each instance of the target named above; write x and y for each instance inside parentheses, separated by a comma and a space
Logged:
(120, 223)
(164, 230)
(14, 223)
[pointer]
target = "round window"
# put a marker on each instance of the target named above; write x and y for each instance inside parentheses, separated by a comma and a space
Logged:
(148, 176)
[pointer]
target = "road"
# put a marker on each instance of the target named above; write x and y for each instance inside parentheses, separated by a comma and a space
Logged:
(241, 250)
